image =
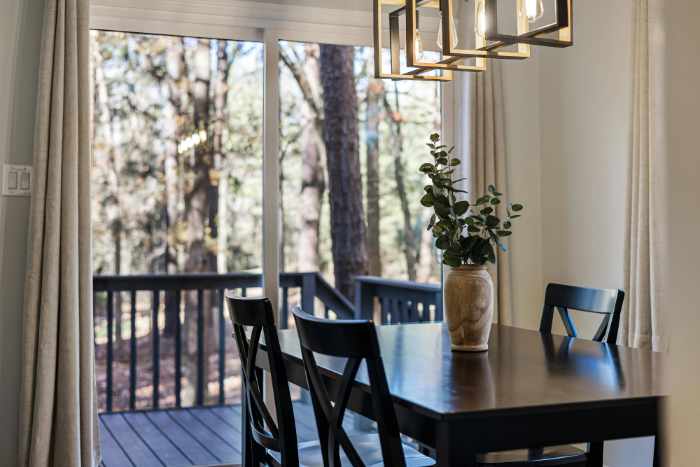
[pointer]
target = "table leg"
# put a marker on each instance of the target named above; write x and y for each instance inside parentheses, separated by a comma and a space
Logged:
(658, 451)
(452, 449)
(595, 454)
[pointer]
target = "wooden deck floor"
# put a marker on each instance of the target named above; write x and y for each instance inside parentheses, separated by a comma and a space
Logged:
(183, 437)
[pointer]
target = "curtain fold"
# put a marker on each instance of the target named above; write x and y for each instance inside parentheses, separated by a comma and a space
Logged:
(641, 324)
(58, 404)
(486, 160)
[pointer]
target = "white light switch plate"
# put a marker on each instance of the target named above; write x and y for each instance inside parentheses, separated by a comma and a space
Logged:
(17, 180)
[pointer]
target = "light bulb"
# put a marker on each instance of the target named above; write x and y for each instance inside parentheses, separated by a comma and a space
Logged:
(534, 10)
(418, 44)
(453, 34)
(480, 20)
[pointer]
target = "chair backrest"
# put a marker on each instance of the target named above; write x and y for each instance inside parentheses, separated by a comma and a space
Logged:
(280, 436)
(607, 302)
(356, 341)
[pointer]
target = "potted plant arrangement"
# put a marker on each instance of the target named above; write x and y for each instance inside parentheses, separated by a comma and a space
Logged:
(468, 235)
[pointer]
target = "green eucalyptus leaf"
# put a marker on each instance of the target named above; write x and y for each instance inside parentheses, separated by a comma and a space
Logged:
(507, 225)
(453, 261)
(454, 162)
(486, 211)
(483, 199)
(427, 167)
(473, 229)
(427, 200)
(443, 242)
(517, 207)
(504, 233)
(461, 207)
(434, 137)
(492, 221)
(490, 253)
(495, 201)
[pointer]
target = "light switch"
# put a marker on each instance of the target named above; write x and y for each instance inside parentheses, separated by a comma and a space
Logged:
(17, 180)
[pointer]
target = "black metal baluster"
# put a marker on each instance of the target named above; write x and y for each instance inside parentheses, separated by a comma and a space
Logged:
(155, 331)
(326, 311)
(222, 345)
(200, 347)
(132, 354)
(284, 313)
(178, 351)
(244, 292)
(110, 347)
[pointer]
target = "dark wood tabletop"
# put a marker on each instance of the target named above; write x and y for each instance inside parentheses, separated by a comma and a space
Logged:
(528, 390)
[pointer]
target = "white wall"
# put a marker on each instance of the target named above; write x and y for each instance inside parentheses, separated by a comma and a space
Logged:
(585, 99)
(683, 171)
(585, 126)
(20, 23)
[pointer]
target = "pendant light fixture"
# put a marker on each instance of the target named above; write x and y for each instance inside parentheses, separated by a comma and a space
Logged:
(395, 46)
(534, 10)
(482, 46)
(489, 42)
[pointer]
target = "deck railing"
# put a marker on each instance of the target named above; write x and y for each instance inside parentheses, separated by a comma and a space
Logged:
(178, 300)
(397, 301)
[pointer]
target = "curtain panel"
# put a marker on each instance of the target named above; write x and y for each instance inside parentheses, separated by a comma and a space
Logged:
(642, 319)
(58, 408)
(480, 140)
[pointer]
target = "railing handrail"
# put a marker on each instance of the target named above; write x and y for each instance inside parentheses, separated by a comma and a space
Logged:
(180, 281)
(398, 283)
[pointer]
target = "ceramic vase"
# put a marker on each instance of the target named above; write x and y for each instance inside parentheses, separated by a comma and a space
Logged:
(469, 297)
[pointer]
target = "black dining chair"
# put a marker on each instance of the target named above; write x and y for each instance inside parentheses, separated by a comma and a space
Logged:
(353, 341)
(265, 440)
(563, 298)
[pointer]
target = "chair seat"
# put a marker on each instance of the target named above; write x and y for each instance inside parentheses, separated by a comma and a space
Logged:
(367, 446)
(554, 455)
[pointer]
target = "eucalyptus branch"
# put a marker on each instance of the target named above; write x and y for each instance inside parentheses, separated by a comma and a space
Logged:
(467, 233)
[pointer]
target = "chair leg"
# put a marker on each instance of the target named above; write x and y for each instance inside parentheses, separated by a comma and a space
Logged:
(595, 454)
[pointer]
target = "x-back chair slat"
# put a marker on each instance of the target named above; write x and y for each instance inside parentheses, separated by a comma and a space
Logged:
(356, 341)
(606, 302)
(277, 435)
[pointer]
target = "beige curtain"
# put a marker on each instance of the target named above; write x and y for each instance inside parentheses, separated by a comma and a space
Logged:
(58, 411)
(641, 324)
(486, 160)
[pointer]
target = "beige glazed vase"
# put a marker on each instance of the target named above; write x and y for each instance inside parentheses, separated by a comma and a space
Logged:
(469, 297)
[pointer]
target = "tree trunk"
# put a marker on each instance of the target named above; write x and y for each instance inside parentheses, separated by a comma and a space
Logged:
(426, 261)
(201, 196)
(313, 183)
(375, 97)
(409, 237)
(341, 138)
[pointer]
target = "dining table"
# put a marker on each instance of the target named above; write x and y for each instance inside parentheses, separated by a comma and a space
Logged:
(528, 390)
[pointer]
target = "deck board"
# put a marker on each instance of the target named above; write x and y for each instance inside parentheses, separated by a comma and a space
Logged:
(167, 451)
(218, 446)
(184, 437)
(111, 449)
(131, 443)
(195, 451)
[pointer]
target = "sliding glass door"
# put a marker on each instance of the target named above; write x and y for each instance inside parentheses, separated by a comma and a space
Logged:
(350, 148)
(177, 190)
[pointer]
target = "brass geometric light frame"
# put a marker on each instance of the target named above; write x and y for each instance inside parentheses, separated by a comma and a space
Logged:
(563, 27)
(483, 46)
(448, 61)
(395, 47)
